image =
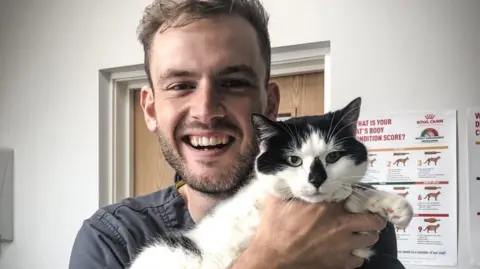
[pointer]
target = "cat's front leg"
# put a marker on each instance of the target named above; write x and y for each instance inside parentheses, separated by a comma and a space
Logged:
(392, 207)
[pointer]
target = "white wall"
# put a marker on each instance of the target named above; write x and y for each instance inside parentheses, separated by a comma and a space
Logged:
(419, 54)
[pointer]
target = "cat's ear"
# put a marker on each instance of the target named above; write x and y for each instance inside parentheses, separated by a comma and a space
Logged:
(350, 114)
(263, 127)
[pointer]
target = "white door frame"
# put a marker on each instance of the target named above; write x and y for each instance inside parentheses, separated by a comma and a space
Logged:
(116, 111)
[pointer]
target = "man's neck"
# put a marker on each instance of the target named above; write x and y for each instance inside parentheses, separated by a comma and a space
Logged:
(198, 204)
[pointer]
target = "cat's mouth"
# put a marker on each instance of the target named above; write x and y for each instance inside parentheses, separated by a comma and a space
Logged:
(219, 142)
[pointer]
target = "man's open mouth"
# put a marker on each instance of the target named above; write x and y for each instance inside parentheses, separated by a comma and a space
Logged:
(208, 143)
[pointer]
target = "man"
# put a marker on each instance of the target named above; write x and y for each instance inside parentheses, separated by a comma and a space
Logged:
(208, 66)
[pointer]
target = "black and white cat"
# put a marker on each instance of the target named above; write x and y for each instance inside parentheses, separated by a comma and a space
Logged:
(313, 158)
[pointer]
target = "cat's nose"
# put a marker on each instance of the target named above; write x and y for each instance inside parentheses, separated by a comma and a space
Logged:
(316, 180)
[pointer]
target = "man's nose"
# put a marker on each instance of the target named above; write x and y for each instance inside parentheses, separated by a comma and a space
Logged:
(206, 103)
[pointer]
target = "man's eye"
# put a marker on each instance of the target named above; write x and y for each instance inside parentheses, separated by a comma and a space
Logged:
(235, 83)
(181, 86)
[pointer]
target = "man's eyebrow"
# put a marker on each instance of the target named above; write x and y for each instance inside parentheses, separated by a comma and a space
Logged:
(179, 73)
(242, 68)
(171, 73)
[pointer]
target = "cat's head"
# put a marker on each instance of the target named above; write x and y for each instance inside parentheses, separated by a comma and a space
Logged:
(314, 158)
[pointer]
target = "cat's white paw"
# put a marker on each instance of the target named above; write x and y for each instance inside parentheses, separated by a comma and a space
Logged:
(375, 204)
(400, 212)
(340, 195)
(394, 208)
(364, 253)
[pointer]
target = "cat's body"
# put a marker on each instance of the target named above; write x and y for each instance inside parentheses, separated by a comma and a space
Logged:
(313, 158)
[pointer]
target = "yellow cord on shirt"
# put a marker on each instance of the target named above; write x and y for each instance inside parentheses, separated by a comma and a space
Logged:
(179, 184)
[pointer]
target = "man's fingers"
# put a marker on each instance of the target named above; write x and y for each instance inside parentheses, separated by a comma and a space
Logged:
(364, 239)
(365, 222)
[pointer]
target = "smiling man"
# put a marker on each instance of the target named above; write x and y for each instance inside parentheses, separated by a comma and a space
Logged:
(208, 68)
(199, 101)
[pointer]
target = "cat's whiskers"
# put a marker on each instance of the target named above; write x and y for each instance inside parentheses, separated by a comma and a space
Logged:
(288, 204)
(354, 108)
(369, 189)
(337, 142)
(277, 216)
(357, 177)
(359, 201)
(330, 128)
(352, 177)
(285, 192)
(347, 125)
(296, 130)
(288, 130)
(291, 132)
(351, 189)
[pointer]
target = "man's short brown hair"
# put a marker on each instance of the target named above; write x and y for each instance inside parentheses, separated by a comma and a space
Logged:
(163, 14)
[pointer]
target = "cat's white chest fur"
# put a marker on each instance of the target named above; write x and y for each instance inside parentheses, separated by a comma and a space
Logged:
(226, 235)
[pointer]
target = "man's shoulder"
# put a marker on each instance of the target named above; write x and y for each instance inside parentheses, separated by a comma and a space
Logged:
(140, 204)
(114, 233)
(144, 215)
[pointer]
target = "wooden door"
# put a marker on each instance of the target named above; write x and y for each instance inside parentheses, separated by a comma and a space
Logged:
(299, 95)
(151, 171)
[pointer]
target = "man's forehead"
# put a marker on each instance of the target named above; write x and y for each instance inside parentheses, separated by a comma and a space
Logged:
(209, 45)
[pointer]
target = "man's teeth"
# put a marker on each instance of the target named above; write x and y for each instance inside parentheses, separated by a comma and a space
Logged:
(208, 141)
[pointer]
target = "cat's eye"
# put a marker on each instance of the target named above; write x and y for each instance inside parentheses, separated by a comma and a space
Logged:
(333, 157)
(294, 161)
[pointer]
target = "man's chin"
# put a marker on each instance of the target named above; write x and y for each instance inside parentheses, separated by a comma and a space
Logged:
(210, 180)
(220, 176)
(211, 187)
(208, 174)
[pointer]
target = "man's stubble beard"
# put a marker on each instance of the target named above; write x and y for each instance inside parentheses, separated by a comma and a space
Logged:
(223, 185)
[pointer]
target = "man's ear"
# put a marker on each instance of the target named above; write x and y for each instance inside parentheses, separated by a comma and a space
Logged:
(147, 102)
(273, 100)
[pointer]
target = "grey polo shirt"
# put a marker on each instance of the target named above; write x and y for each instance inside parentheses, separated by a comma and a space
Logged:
(112, 236)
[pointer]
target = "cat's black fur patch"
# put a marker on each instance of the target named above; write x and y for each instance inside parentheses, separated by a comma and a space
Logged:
(317, 174)
(176, 239)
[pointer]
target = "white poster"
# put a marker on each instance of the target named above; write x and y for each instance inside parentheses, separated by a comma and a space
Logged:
(414, 155)
(473, 147)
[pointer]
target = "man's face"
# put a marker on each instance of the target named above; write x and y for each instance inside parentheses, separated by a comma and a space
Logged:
(208, 78)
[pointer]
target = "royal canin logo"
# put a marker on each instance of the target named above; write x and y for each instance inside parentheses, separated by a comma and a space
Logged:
(430, 119)
(430, 116)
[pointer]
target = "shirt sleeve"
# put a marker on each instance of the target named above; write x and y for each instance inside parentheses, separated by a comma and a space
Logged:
(98, 245)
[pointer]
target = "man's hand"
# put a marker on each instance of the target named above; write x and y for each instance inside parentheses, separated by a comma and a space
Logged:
(300, 235)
